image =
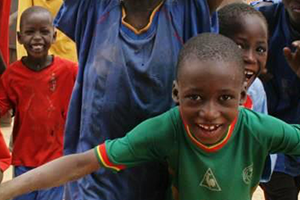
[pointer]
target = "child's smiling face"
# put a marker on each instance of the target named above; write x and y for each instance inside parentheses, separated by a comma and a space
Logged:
(251, 35)
(209, 93)
(37, 34)
(293, 9)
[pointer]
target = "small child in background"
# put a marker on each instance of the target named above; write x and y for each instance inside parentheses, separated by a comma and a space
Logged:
(248, 28)
(38, 87)
(213, 147)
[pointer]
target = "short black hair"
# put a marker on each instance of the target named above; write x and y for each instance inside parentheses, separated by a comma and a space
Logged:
(211, 47)
(230, 15)
(34, 10)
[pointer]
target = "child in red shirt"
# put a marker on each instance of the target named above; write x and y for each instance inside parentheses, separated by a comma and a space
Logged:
(38, 87)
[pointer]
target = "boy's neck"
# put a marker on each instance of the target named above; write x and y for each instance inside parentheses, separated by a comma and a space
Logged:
(138, 11)
(37, 64)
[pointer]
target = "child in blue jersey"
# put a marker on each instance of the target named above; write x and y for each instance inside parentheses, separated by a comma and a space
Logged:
(207, 130)
(282, 89)
(127, 56)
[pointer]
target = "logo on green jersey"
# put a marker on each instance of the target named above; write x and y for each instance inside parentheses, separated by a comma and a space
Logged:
(210, 182)
(247, 174)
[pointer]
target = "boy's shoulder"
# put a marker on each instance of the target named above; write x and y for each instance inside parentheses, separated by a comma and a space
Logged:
(15, 66)
(258, 123)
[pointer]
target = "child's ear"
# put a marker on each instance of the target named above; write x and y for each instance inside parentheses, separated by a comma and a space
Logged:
(243, 93)
(175, 94)
(19, 37)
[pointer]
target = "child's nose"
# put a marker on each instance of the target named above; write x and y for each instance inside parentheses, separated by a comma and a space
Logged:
(37, 36)
(209, 112)
(249, 57)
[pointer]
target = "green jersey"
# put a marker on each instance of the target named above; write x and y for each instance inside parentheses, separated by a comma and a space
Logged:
(229, 170)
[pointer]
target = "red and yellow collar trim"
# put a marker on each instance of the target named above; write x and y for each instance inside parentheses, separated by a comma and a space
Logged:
(136, 31)
(214, 147)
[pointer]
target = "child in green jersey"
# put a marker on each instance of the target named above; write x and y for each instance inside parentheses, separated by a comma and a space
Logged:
(214, 148)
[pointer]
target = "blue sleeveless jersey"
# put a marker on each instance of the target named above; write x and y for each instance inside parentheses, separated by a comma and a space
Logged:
(124, 78)
(283, 88)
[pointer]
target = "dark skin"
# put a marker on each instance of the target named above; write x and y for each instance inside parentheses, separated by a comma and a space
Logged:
(37, 34)
(138, 11)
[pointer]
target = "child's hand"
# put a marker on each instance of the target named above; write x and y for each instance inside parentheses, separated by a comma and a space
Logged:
(293, 58)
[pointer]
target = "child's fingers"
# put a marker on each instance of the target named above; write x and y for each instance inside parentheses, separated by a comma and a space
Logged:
(296, 44)
(287, 53)
(297, 51)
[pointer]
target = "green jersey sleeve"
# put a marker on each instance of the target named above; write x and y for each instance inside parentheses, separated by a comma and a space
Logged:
(152, 140)
(274, 134)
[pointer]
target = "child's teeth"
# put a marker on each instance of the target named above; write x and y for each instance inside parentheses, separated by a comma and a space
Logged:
(37, 47)
(210, 128)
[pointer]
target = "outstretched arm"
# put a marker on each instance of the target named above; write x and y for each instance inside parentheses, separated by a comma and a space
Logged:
(293, 58)
(52, 174)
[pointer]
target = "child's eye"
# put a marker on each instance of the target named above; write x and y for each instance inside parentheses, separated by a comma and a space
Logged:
(261, 50)
(226, 97)
(45, 32)
(194, 97)
(240, 46)
(29, 32)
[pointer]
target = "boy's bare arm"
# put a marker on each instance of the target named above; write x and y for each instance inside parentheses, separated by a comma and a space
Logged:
(52, 174)
(293, 58)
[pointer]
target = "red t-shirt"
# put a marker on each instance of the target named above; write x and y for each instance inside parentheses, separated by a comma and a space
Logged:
(40, 100)
(5, 158)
